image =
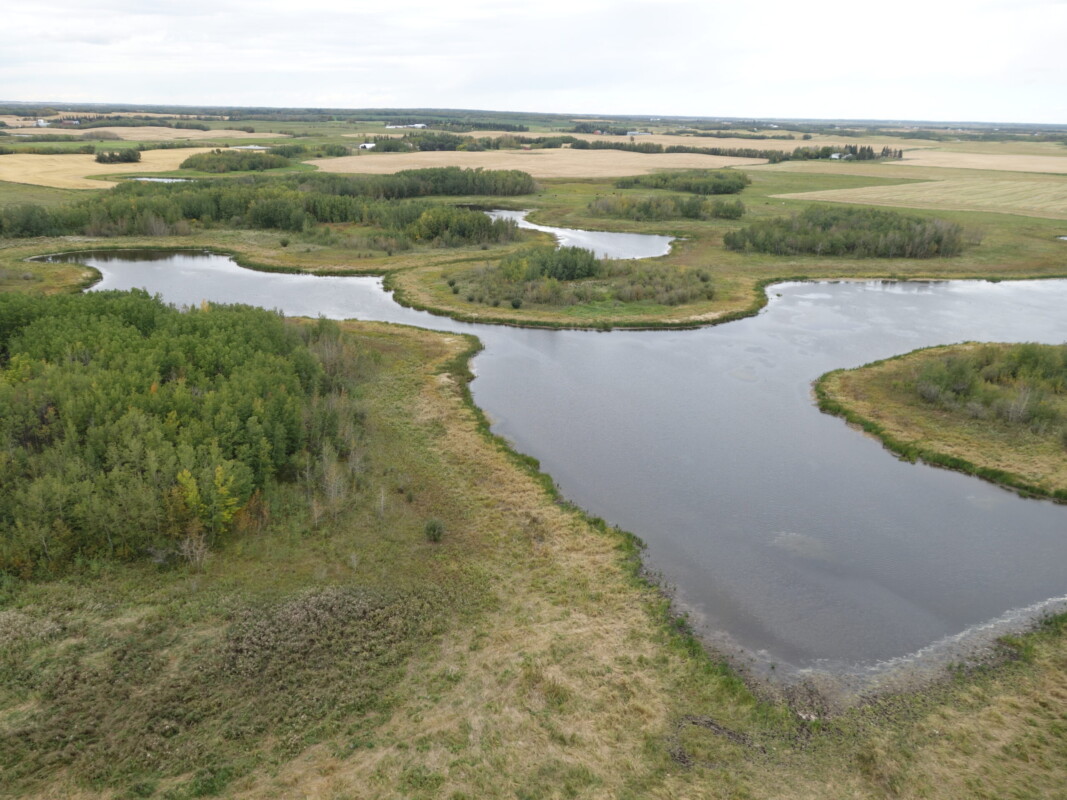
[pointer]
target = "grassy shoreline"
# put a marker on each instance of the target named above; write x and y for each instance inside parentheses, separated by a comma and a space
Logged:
(870, 397)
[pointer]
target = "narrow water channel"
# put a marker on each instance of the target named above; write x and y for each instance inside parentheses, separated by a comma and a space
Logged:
(785, 533)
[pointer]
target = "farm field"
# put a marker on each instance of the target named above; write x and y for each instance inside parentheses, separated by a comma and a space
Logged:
(552, 163)
(72, 171)
(1007, 162)
(1028, 198)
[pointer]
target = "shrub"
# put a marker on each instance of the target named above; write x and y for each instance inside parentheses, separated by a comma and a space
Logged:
(434, 530)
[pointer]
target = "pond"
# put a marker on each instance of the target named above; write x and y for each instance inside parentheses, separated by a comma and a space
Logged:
(603, 243)
(791, 539)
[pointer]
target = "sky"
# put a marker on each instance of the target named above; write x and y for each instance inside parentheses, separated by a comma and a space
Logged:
(947, 60)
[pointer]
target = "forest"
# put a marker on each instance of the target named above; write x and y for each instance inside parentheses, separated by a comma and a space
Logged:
(129, 429)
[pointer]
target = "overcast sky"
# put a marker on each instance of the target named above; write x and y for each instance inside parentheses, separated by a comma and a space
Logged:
(976, 60)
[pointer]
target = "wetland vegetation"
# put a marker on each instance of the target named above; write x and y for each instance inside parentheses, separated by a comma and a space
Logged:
(330, 641)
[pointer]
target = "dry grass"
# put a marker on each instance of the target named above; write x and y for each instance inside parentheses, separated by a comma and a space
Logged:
(1000, 162)
(561, 163)
(1047, 198)
(71, 171)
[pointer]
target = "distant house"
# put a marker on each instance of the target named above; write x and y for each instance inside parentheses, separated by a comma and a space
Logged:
(258, 148)
(367, 146)
(638, 133)
(42, 124)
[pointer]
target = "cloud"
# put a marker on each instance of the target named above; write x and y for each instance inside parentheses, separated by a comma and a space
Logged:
(989, 60)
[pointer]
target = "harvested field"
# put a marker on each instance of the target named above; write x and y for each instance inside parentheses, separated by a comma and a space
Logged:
(1004, 162)
(562, 163)
(72, 171)
(150, 133)
(1029, 198)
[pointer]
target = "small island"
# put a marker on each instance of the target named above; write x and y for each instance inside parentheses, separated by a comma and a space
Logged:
(997, 411)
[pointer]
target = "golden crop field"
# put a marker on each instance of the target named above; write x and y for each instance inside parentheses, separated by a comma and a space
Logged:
(71, 170)
(1030, 198)
(1000, 162)
(555, 163)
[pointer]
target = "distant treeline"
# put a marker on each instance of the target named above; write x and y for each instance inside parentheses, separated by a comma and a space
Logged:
(855, 232)
(129, 429)
(1022, 384)
(697, 181)
(294, 203)
(662, 207)
(139, 122)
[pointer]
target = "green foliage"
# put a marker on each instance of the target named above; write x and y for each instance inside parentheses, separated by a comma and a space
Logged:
(569, 276)
(1020, 384)
(855, 232)
(434, 530)
(662, 207)
(290, 203)
(234, 161)
(129, 155)
(128, 427)
(558, 263)
(697, 181)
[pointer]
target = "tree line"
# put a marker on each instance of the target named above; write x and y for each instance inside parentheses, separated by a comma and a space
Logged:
(855, 232)
(662, 207)
(393, 203)
(697, 181)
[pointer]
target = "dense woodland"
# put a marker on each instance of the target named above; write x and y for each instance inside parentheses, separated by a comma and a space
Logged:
(129, 429)
(855, 232)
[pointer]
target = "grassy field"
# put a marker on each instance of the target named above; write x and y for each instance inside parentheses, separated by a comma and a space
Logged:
(72, 171)
(1027, 198)
(882, 397)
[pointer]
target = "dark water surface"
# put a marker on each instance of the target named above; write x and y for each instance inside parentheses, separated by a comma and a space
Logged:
(785, 532)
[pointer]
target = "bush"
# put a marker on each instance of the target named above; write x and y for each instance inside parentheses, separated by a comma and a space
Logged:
(434, 530)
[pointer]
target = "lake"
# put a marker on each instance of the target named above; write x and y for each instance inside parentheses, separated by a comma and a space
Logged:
(792, 540)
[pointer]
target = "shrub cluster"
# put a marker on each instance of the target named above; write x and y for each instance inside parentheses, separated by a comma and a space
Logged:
(129, 155)
(234, 161)
(855, 232)
(697, 181)
(1022, 385)
(569, 275)
(658, 207)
